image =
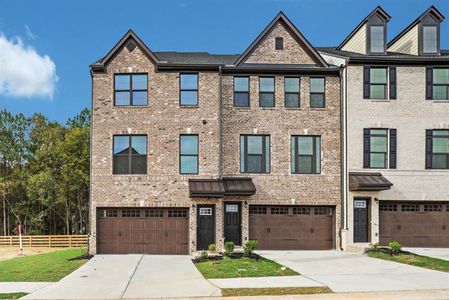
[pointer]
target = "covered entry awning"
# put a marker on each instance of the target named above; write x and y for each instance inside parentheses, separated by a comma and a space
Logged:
(368, 181)
(217, 188)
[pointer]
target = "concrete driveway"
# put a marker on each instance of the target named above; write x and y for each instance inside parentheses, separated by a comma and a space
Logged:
(349, 272)
(441, 253)
(131, 276)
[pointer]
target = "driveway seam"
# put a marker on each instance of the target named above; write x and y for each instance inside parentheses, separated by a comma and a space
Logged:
(131, 277)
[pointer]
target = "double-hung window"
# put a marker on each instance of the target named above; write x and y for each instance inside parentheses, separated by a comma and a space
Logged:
(241, 91)
(377, 39)
(378, 83)
(255, 153)
(317, 94)
(305, 154)
(188, 89)
(188, 154)
(291, 87)
(130, 154)
(266, 91)
(130, 89)
(440, 84)
(437, 149)
(379, 147)
(429, 39)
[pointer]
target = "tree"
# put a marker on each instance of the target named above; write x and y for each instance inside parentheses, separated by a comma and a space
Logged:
(44, 169)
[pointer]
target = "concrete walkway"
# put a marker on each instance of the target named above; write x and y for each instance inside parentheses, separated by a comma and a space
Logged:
(131, 276)
(441, 253)
(24, 287)
(266, 282)
(350, 272)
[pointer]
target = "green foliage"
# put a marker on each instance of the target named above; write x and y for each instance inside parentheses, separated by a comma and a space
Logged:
(395, 247)
(242, 267)
(374, 247)
(249, 247)
(44, 173)
(51, 266)
(228, 248)
(203, 254)
(212, 248)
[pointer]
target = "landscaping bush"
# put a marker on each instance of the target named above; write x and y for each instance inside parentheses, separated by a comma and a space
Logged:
(374, 247)
(249, 247)
(203, 255)
(395, 247)
(212, 248)
(228, 248)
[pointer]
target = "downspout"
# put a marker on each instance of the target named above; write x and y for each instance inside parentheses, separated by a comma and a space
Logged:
(343, 226)
(220, 109)
(89, 213)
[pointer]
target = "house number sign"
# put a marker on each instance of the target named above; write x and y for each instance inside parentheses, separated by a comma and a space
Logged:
(360, 204)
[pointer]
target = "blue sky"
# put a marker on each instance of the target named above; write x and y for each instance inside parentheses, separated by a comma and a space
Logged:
(61, 38)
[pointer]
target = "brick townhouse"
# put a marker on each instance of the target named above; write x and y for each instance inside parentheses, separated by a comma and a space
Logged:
(190, 149)
(396, 138)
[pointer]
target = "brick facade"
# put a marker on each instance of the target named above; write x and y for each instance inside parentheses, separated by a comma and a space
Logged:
(163, 120)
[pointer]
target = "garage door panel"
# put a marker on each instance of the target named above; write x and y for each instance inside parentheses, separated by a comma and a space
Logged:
(421, 228)
(142, 231)
(290, 228)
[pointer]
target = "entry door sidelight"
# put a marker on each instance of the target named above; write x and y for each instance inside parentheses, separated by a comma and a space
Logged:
(232, 223)
(360, 220)
(205, 226)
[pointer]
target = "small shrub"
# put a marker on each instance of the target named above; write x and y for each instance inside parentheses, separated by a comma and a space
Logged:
(203, 254)
(374, 247)
(228, 248)
(212, 248)
(249, 247)
(395, 247)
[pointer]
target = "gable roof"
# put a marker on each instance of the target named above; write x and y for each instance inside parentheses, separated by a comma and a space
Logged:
(377, 10)
(281, 17)
(431, 10)
(129, 35)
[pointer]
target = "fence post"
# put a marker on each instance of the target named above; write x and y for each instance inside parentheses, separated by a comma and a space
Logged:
(49, 241)
(10, 240)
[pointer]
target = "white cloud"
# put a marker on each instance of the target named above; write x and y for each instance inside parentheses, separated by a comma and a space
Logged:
(29, 33)
(24, 72)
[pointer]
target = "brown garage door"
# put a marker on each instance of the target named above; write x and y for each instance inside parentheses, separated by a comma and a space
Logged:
(142, 231)
(414, 224)
(290, 228)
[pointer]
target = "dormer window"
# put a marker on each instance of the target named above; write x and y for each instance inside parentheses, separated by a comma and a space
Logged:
(377, 39)
(429, 39)
(279, 43)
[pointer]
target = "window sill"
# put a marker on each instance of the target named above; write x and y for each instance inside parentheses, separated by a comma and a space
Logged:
(131, 106)
(379, 100)
(440, 101)
(242, 107)
(267, 108)
(318, 108)
(189, 106)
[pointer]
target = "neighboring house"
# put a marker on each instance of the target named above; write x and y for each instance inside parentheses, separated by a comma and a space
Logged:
(397, 132)
(190, 149)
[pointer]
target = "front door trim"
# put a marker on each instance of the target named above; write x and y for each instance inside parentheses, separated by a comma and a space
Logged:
(359, 205)
(205, 210)
(238, 242)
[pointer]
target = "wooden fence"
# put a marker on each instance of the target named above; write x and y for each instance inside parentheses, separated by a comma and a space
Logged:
(45, 240)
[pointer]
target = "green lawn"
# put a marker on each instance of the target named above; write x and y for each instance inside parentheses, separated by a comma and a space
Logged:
(275, 291)
(50, 266)
(414, 260)
(242, 267)
(12, 295)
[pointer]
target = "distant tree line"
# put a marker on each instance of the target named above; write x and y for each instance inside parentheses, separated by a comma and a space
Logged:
(44, 174)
